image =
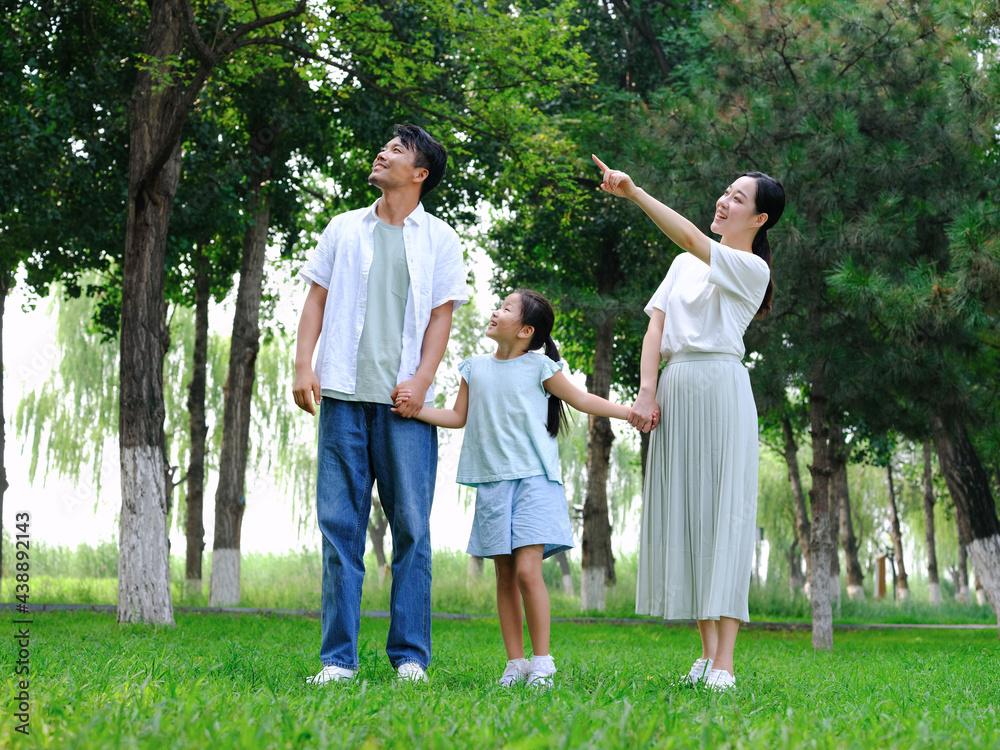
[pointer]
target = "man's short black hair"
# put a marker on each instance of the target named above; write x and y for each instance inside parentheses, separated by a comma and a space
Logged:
(430, 154)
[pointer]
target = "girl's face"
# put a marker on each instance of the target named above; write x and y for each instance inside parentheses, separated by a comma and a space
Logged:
(505, 323)
(736, 210)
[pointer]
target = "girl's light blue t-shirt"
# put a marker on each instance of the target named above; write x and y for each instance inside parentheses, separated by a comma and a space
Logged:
(505, 433)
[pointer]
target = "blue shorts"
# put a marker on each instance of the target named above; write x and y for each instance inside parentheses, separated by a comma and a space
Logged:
(519, 512)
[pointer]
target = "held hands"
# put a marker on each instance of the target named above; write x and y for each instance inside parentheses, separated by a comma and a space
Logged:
(645, 414)
(408, 399)
(615, 182)
(305, 389)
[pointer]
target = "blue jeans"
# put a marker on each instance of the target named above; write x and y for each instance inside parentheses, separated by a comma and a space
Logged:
(361, 443)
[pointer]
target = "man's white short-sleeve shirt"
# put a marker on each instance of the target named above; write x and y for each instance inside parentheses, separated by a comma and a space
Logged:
(340, 264)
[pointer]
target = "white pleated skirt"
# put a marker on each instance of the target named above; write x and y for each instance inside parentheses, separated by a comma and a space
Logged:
(699, 500)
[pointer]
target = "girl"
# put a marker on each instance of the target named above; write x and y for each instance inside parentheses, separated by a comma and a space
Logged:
(511, 403)
(699, 502)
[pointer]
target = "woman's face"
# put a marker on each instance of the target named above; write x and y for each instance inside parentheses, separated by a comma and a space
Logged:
(736, 210)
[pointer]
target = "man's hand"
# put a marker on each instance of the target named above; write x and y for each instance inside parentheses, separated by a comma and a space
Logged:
(400, 399)
(305, 389)
(615, 182)
(645, 414)
(408, 397)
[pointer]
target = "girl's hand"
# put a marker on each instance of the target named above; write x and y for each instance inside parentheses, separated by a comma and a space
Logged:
(402, 400)
(645, 414)
(615, 182)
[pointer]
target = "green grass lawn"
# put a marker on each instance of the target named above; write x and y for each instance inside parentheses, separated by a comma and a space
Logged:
(222, 681)
(292, 581)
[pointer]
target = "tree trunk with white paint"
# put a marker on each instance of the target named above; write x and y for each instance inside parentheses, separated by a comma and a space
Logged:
(597, 559)
(933, 584)
(902, 587)
(154, 171)
(474, 571)
(975, 510)
(567, 574)
(960, 576)
(378, 525)
(230, 502)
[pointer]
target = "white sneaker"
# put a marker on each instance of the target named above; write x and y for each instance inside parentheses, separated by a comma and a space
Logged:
(331, 674)
(516, 671)
(411, 671)
(720, 680)
(540, 671)
(698, 672)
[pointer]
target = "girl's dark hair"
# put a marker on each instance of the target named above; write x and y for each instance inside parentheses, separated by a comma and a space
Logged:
(770, 200)
(537, 312)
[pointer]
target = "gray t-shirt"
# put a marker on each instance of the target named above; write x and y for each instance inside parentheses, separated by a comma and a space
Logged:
(381, 344)
(505, 433)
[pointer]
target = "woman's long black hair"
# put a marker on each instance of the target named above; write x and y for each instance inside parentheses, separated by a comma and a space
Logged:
(770, 199)
(537, 312)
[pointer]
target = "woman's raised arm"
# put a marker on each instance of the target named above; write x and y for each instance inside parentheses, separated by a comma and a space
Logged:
(685, 234)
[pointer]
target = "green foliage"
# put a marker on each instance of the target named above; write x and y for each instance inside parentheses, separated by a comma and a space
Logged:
(238, 682)
(594, 260)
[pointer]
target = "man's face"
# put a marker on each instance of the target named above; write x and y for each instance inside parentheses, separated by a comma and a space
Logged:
(393, 166)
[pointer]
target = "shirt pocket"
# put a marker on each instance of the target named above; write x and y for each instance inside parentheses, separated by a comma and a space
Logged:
(400, 278)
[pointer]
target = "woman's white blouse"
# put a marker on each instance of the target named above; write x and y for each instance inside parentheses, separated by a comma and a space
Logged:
(708, 307)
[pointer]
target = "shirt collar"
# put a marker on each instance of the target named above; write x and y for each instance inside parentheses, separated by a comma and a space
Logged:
(416, 215)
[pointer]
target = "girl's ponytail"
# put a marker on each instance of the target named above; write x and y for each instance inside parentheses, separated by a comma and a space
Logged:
(537, 312)
(557, 410)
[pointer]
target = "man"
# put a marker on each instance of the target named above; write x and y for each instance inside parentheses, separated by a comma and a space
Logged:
(384, 283)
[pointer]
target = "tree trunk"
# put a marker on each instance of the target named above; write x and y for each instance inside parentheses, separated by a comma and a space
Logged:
(378, 525)
(567, 574)
(903, 590)
(839, 485)
(598, 562)
(975, 511)
(933, 585)
(961, 576)
(154, 170)
(194, 525)
(230, 502)
(795, 578)
(6, 283)
(821, 543)
(473, 571)
(802, 528)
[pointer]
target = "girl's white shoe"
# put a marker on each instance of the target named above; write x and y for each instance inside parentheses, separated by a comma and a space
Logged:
(540, 671)
(516, 671)
(720, 679)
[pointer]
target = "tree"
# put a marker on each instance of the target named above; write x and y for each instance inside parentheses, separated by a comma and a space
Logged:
(873, 117)
(179, 61)
(934, 588)
(903, 588)
(598, 263)
(57, 171)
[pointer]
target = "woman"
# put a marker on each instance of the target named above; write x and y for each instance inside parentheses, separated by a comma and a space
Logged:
(700, 496)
